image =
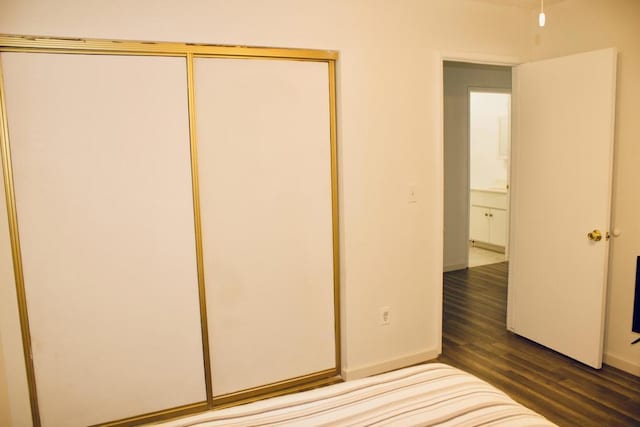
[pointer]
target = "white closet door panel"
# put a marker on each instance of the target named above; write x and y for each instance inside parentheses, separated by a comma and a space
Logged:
(100, 148)
(265, 186)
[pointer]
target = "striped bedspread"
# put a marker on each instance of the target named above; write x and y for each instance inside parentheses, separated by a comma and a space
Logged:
(424, 395)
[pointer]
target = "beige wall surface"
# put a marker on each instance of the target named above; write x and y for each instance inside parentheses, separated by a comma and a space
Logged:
(389, 97)
(577, 26)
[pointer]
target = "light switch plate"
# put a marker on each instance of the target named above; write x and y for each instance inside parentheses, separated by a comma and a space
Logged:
(413, 198)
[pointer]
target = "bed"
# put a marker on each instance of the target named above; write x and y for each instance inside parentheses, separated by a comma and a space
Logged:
(423, 395)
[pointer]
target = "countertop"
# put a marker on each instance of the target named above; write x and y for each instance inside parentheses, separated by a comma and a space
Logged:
(491, 190)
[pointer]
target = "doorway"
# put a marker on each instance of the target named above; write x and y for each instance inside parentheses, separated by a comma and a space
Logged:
(489, 146)
(464, 212)
(562, 163)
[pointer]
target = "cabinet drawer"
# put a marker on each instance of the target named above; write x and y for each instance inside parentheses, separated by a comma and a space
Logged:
(488, 199)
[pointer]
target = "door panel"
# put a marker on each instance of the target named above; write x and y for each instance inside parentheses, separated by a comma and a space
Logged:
(265, 189)
(102, 181)
(561, 188)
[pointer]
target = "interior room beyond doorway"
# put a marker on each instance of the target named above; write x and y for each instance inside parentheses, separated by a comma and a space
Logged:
(489, 147)
(461, 219)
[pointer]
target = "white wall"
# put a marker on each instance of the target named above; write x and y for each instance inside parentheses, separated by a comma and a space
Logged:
(488, 166)
(458, 78)
(389, 83)
(595, 25)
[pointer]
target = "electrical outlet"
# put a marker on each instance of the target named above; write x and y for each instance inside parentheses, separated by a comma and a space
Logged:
(385, 315)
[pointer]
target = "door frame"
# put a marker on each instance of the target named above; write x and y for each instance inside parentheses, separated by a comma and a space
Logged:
(472, 58)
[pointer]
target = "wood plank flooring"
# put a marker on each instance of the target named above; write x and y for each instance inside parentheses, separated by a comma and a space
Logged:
(568, 393)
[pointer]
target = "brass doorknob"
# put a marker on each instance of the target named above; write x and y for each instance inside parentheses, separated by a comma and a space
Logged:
(595, 236)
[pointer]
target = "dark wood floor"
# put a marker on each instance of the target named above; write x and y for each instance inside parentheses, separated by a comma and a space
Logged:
(568, 393)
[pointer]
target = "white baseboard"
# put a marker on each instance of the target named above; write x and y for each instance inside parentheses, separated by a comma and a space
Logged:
(489, 246)
(622, 364)
(389, 365)
(454, 267)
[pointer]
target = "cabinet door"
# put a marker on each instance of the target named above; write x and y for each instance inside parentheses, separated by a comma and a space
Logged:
(498, 228)
(479, 224)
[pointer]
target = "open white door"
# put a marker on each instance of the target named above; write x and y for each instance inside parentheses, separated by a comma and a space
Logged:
(562, 154)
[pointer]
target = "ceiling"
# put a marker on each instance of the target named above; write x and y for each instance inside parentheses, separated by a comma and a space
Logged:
(525, 4)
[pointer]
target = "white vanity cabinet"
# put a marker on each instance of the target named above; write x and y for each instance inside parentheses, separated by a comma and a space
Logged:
(488, 217)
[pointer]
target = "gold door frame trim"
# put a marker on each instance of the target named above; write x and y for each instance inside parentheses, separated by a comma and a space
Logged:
(41, 44)
(158, 415)
(163, 48)
(16, 253)
(327, 376)
(197, 222)
(335, 220)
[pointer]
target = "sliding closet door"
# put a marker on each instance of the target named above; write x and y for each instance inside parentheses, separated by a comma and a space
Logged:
(265, 186)
(101, 166)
